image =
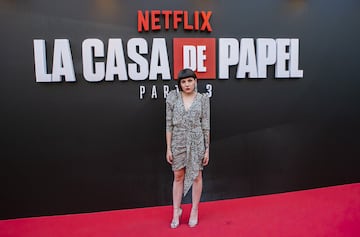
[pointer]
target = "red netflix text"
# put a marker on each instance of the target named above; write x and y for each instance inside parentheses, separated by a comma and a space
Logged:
(156, 20)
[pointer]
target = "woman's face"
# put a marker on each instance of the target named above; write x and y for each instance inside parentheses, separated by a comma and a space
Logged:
(188, 85)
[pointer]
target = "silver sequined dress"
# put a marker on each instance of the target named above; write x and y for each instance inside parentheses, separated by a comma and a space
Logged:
(187, 128)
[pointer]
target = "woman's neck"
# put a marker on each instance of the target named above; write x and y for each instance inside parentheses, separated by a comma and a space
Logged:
(191, 94)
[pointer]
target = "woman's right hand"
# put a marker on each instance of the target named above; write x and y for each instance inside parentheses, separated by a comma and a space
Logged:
(169, 156)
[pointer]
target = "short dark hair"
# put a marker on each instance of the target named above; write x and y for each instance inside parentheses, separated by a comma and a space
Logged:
(185, 73)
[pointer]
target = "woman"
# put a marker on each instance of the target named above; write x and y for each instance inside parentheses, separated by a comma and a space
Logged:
(187, 140)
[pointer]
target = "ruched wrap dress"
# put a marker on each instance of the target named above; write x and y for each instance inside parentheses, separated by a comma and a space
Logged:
(188, 129)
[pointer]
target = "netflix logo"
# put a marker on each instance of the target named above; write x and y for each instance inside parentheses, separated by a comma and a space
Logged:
(156, 20)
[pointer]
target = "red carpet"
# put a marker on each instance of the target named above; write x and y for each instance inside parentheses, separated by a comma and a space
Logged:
(330, 212)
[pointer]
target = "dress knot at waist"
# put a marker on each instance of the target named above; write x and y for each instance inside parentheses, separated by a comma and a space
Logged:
(189, 130)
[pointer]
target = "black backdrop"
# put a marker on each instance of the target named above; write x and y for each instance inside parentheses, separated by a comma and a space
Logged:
(81, 147)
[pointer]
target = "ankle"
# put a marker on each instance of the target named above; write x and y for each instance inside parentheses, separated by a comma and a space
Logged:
(177, 212)
(193, 209)
(177, 209)
(193, 220)
(176, 218)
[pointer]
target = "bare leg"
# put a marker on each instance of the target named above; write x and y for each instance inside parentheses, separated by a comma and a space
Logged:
(178, 187)
(196, 195)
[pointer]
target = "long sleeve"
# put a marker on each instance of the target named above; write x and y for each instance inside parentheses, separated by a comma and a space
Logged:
(205, 119)
(169, 113)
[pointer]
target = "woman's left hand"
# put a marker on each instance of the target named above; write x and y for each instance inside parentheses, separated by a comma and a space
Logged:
(206, 158)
